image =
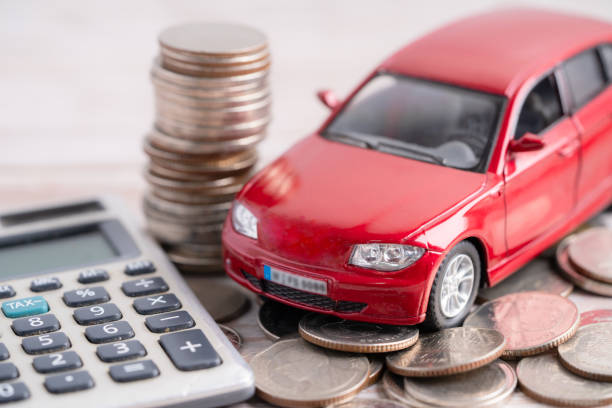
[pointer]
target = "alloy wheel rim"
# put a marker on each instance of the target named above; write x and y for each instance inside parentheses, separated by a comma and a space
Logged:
(457, 285)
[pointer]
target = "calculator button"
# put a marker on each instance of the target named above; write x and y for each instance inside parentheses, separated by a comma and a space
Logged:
(189, 350)
(169, 322)
(138, 370)
(8, 371)
(6, 291)
(105, 333)
(124, 350)
(13, 392)
(139, 268)
(142, 287)
(97, 314)
(4, 353)
(45, 343)
(45, 284)
(93, 275)
(28, 326)
(50, 363)
(25, 307)
(156, 304)
(61, 383)
(86, 296)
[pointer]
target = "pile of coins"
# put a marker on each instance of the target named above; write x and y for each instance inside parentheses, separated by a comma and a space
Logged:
(212, 106)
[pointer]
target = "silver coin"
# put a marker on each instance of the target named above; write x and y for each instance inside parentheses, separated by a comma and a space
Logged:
(233, 336)
(204, 184)
(183, 210)
(370, 403)
(229, 91)
(537, 275)
(218, 102)
(359, 337)
(168, 233)
(208, 59)
(190, 131)
(583, 282)
(377, 366)
(546, 380)
(484, 386)
(190, 198)
(194, 249)
(278, 320)
(589, 352)
(189, 67)
(295, 373)
(589, 253)
(220, 297)
(210, 118)
(393, 386)
(447, 352)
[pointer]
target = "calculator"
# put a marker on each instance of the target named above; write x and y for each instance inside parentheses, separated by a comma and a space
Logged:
(94, 315)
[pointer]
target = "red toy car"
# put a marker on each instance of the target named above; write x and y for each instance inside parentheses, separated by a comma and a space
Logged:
(459, 159)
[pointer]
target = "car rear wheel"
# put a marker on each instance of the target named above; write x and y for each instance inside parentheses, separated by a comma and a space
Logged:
(455, 287)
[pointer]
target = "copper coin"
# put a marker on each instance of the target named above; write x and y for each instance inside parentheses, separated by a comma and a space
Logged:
(357, 337)
(538, 275)
(583, 282)
(589, 352)
(447, 352)
(278, 320)
(532, 322)
(596, 316)
(220, 297)
(544, 379)
(590, 253)
(232, 335)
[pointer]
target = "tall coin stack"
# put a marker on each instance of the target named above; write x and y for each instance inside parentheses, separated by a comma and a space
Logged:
(212, 105)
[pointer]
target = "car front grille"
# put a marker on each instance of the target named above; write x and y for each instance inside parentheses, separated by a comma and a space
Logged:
(304, 298)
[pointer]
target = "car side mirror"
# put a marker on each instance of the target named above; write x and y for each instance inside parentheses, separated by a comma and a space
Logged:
(527, 143)
(328, 97)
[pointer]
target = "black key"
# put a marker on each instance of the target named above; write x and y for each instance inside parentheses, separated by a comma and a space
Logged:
(8, 371)
(46, 343)
(189, 350)
(97, 314)
(28, 326)
(145, 286)
(4, 353)
(156, 304)
(169, 322)
(139, 268)
(51, 363)
(138, 370)
(61, 383)
(93, 275)
(6, 291)
(44, 284)
(86, 296)
(105, 333)
(13, 392)
(124, 350)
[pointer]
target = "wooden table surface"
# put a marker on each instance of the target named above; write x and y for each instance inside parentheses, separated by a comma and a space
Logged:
(75, 98)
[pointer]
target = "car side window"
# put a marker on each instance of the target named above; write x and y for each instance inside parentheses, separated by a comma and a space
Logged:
(585, 77)
(605, 51)
(542, 107)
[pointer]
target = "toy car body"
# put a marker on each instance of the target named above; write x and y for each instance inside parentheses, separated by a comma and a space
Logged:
(468, 152)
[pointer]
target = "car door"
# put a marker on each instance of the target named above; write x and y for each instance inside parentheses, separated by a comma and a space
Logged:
(591, 98)
(540, 185)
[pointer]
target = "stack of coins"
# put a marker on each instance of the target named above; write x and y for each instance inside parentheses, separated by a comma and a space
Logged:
(212, 105)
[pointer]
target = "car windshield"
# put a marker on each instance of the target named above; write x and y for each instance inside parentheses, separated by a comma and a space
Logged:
(422, 120)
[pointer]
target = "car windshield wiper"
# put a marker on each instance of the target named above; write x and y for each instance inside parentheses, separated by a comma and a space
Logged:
(350, 138)
(410, 152)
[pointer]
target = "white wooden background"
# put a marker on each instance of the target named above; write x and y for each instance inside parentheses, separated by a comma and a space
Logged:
(75, 98)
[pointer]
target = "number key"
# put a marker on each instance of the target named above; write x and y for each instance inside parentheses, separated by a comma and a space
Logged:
(28, 326)
(86, 296)
(97, 314)
(13, 392)
(105, 333)
(50, 363)
(45, 343)
(121, 351)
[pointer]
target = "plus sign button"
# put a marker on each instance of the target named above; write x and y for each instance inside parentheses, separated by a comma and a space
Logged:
(190, 350)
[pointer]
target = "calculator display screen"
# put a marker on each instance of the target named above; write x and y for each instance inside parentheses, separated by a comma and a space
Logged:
(42, 254)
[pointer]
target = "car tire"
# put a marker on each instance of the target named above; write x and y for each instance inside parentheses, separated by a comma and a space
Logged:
(442, 313)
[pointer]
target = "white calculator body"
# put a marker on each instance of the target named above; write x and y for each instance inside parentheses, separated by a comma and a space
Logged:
(94, 315)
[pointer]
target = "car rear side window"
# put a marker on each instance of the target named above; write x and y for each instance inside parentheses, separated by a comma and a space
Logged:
(605, 51)
(542, 108)
(585, 77)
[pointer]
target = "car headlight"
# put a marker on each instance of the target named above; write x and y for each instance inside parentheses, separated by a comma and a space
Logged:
(244, 221)
(385, 257)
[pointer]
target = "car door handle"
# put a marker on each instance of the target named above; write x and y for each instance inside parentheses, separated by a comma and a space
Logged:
(568, 149)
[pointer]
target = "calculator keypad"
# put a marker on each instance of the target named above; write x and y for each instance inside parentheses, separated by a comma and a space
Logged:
(86, 296)
(143, 287)
(8, 371)
(156, 304)
(190, 350)
(45, 284)
(62, 383)
(124, 350)
(88, 315)
(137, 370)
(45, 343)
(51, 363)
(169, 322)
(13, 392)
(29, 326)
(105, 333)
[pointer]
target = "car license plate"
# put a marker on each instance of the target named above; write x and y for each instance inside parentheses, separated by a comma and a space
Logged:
(295, 281)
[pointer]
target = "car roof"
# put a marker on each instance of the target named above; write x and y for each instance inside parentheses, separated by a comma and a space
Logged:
(497, 51)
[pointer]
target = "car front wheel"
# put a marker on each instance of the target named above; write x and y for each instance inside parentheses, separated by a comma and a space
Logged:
(455, 287)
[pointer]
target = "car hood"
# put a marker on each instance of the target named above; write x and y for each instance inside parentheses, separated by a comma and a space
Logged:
(321, 197)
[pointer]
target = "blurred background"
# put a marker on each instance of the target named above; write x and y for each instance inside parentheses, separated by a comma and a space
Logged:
(75, 95)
